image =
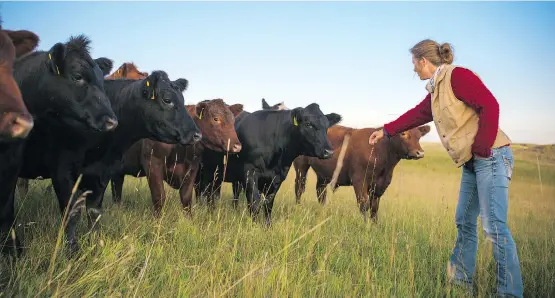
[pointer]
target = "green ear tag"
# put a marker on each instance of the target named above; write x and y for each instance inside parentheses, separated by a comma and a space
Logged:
(295, 121)
(200, 115)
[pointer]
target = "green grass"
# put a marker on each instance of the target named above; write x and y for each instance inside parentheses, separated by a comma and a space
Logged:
(310, 251)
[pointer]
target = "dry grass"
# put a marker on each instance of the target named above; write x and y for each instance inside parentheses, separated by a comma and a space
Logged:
(310, 250)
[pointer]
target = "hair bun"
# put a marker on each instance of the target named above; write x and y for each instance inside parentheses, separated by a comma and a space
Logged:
(446, 53)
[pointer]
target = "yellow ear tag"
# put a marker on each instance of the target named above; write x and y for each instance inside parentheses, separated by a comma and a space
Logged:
(119, 70)
(295, 121)
(152, 95)
(49, 56)
(200, 115)
(147, 83)
(57, 70)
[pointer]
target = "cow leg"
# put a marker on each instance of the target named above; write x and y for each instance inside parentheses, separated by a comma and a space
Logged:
(186, 194)
(300, 181)
(156, 185)
(22, 187)
(237, 188)
(117, 187)
(321, 190)
(252, 193)
(361, 191)
(8, 179)
(381, 185)
(268, 203)
(63, 183)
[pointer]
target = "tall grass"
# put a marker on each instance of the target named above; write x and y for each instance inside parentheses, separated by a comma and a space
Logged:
(310, 250)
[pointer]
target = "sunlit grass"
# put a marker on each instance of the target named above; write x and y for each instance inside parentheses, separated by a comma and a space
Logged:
(310, 250)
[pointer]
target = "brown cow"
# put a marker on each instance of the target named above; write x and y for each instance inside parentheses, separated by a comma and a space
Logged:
(369, 169)
(15, 120)
(177, 164)
(127, 70)
(15, 123)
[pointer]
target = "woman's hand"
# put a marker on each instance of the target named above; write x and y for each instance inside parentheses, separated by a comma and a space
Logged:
(376, 137)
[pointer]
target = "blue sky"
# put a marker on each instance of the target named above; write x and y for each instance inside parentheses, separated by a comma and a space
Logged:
(350, 57)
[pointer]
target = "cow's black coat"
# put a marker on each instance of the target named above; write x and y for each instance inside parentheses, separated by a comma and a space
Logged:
(271, 140)
(63, 88)
(149, 108)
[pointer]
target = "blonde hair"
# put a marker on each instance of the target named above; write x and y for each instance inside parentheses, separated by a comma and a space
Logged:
(434, 52)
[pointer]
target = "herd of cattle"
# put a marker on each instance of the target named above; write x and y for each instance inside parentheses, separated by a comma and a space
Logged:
(66, 119)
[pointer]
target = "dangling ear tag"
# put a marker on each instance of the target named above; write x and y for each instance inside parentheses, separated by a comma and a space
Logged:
(50, 57)
(152, 95)
(200, 115)
(295, 121)
(119, 71)
(147, 83)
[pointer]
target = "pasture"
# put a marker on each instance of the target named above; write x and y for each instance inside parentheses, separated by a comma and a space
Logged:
(309, 251)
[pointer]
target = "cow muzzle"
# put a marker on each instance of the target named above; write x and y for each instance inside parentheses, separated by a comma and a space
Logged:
(327, 154)
(416, 155)
(20, 125)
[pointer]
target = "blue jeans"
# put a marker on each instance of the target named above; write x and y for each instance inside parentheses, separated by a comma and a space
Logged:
(484, 191)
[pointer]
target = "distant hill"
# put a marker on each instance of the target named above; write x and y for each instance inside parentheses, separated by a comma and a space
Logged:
(544, 153)
(530, 152)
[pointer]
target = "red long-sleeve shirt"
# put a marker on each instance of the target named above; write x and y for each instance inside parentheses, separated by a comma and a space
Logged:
(468, 88)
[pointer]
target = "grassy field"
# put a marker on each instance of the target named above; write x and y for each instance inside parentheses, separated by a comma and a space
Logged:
(310, 251)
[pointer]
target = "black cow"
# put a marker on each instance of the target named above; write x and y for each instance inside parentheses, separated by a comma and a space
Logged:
(271, 140)
(63, 88)
(151, 108)
(208, 161)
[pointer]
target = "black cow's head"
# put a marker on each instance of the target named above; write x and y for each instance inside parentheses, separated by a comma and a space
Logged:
(163, 108)
(312, 126)
(74, 85)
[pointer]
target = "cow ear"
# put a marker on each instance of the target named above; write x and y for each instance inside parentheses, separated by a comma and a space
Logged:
(296, 115)
(333, 118)
(265, 105)
(425, 129)
(236, 109)
(182, 84)
(200, 110)
(56, 57)
(105, 65)
(24, 41)
(123, 70)
(150, 83)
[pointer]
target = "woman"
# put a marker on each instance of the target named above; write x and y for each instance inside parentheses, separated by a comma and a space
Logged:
(466, 116)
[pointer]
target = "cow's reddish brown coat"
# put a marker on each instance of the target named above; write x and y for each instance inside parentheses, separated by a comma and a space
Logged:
(369, 169)
(127, 70)
(15, 120)
(177, 164)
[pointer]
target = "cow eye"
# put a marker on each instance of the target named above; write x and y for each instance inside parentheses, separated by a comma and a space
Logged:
(308, 125)
(167, 101)
(216, 119)
(77, 77)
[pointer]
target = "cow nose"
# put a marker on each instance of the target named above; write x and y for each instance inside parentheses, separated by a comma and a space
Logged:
(197, 137)
(110, 124)
(328, 153)
(21, 127)
(236, 148)
(419, 154)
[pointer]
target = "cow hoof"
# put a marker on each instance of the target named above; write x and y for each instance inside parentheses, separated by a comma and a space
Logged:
(11, 250)
(72, 249)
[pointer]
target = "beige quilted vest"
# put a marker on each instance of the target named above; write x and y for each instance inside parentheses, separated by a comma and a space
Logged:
(456, 122)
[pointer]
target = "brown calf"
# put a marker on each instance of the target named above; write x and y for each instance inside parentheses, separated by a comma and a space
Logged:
(15, 120)
(127, 70)
(177, 164)
(369, 169)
